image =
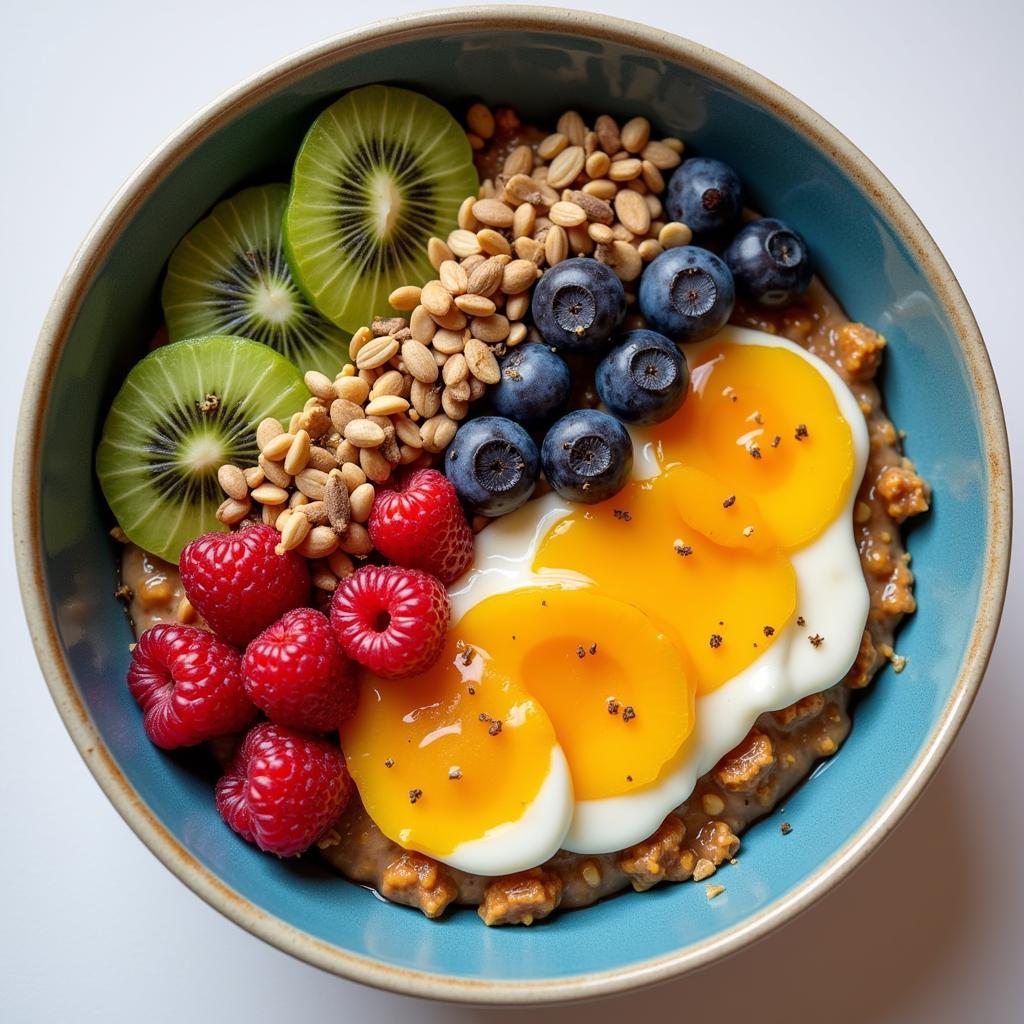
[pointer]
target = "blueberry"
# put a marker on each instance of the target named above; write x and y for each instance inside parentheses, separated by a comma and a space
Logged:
(769, 262)
(578, 304)
(493, 464)
(587, 456)
(534, 385)
(643, 379)
(687, 293)
(705, 194)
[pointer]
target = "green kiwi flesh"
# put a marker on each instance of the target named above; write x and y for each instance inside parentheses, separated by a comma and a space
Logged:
(380, 171)
(183, 411)
(229, 275)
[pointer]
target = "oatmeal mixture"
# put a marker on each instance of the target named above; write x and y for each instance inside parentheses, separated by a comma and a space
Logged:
(750, 780)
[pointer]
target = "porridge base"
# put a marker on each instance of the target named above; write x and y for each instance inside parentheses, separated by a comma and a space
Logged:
(777, 754)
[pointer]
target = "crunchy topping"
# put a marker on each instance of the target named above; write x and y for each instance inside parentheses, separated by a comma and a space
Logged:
(785, 828)
(417, 881)
(714, 890)
(521, 898)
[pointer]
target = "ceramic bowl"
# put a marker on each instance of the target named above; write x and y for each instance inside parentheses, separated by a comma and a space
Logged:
(870, 249)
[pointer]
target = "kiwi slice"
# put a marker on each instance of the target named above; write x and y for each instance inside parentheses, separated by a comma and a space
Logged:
(182, 412)
(380, 171)
(229, 275)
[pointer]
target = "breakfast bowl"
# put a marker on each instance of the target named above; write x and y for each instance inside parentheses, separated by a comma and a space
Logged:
(875, 257)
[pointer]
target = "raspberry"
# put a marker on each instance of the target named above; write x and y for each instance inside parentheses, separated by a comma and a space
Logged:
(296, 673)
(239, 585)
(391, 620)
(417, 521)
(189, 686)
(284, 789)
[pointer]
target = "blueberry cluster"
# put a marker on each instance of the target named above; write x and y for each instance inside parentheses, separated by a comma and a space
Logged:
(685, 295)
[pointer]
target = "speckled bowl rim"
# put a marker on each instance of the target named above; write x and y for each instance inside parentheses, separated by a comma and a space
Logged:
(28, 547)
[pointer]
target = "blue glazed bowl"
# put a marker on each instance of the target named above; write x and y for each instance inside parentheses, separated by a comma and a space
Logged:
(875, 256)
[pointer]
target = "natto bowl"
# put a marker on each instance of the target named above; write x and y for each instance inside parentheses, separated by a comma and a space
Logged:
(871, 250)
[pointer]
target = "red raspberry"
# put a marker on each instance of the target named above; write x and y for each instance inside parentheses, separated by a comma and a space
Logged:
(417, 521)
(296, 673)
(284, 789)
(391, 620)
(189, 686)
(239, 584)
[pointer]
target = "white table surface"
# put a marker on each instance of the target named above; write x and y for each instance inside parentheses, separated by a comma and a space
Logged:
(93, 928)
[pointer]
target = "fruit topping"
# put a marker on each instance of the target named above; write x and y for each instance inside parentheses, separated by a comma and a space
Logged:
(534, 385)
(229, 275)
(297, 675)
(417, 522)
(706, 195)
(238, 582)
(687, 294)
(189, 686)
(183, 412)
(391, 620)
(284, 789)
(578, 305)
(769, 261)
(380, 171)
(587, 456)
(493, 464)
(643, 380)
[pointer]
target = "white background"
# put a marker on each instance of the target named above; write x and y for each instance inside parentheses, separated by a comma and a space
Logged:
(93, 928)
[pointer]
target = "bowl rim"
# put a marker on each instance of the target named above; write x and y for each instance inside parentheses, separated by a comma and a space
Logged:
(28, 549)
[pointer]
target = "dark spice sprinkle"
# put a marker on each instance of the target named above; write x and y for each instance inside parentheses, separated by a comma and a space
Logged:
(543, 604)
(123, 592)
(414, 795)
(494, 728)
(484, 717)
(775, 440)
(621, 513)
(800, 621)
(468, 655)
(801, 431)
(593, 648)
(755, 451)
(389, 763)
(683, 549)
(629, 778)
(785, 828)
(715, 641)
(472, 692)
(729, 502)
(454, 773)
(628, 714)
(580, 652)
(613, 707)
(817, 640)
(769, 631)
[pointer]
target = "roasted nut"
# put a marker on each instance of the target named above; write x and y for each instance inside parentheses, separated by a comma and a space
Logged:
(233, 511)
(565, 168)
(405, 298)
(361, 502)
(267, 430)
(270, 494)
(438, 432)
(232, 482)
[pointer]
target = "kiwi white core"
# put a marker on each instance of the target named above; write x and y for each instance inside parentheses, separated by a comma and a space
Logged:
(202, 453)
(274, 302)
(385, 201)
